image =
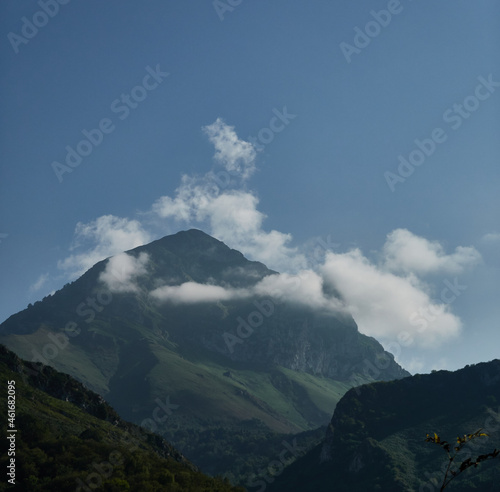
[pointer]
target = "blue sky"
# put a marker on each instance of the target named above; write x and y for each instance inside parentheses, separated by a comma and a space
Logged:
(320, 178)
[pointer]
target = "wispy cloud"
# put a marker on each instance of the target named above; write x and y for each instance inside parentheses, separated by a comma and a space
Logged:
(106, 236)
(42, 280)
(491, 238)
(236, 155)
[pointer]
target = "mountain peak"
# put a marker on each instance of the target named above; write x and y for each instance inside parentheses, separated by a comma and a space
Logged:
(189, 240)
(194, 255)
(191, 235)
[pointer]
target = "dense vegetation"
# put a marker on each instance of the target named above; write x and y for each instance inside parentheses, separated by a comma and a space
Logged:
(69, 437)
(245, 449)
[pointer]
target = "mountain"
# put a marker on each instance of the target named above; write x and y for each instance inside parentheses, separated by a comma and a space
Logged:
(63, 437)
(376, 438)
(180, 323)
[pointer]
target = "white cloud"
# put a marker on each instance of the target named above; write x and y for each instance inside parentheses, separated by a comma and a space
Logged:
(234, 219)
(122, 270)
(385, 305)
(305, 288)
(106, 236)
(192, 292)
(42, 280)
(236, 155)
(407, 253)
(192, 198)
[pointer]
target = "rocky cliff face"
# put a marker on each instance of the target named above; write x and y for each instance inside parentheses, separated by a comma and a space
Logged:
(306, 341)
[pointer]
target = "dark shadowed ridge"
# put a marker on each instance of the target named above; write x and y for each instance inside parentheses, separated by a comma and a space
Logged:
(376, 437)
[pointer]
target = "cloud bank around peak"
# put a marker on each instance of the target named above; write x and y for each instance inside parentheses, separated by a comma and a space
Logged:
(388, 295)
(305, 289)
